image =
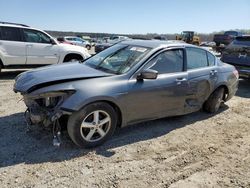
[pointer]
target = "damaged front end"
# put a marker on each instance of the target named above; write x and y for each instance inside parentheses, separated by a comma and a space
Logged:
(44, 109)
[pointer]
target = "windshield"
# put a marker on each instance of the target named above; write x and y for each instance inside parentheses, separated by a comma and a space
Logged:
(232, 33)
(117, 59)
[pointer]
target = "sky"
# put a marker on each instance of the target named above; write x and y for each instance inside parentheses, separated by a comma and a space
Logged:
(129, 16)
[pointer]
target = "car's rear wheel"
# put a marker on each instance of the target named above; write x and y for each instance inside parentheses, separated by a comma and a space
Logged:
(92, 125)
(214, 101)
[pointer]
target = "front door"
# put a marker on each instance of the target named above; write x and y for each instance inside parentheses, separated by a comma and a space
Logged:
(163, 96)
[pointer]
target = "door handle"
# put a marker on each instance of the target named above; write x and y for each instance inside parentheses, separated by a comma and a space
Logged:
(180, 80)
(213, 72)
(29, 45)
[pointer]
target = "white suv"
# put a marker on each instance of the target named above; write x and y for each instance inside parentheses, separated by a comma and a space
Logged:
(22, 45)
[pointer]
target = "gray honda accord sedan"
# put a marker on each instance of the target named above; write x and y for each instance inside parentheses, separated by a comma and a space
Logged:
(130, 82)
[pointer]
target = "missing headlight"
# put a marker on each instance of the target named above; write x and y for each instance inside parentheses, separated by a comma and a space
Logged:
(49, 102)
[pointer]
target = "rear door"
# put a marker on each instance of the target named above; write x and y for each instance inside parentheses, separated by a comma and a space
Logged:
(12, 47)
(40, 50)
(164, 96)
(202, 77)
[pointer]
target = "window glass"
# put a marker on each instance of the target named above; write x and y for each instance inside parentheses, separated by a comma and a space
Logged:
(244, 41)
(196, 58)
(168, 62)
(35, 36)
(117, 59)
(211, 59)
(11, 34)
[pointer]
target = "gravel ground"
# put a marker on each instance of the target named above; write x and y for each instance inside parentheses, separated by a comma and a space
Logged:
(196, 150)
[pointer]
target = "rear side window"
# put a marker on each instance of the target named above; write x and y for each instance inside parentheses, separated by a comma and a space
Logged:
(196, 58)
(211, 59)
(170, 61)
(244, 41)
(10, 34)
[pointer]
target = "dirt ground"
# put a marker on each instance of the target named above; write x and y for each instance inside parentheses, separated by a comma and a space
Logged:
(196, 150)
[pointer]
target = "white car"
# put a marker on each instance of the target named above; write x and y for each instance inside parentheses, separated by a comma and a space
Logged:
(21, 45)
(75, 41)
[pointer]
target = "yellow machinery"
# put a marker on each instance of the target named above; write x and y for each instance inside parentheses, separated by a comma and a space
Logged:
(189, 37)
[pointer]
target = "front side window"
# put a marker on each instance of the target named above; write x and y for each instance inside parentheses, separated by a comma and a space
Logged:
(11, 34)
(117, 59)
(196, 58)
(35, 36)
(170, 61)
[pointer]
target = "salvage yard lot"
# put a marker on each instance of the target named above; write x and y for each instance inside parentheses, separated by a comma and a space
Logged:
(196, 150)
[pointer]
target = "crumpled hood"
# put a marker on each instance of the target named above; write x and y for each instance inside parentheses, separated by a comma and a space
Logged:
(53, 74)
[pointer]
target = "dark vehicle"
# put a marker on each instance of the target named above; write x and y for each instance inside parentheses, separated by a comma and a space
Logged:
(238, 54)
(102, 46)
(110, 42)
(226, 38)
(130, 82)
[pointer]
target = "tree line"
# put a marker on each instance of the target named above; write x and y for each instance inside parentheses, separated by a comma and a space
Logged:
(203, 36)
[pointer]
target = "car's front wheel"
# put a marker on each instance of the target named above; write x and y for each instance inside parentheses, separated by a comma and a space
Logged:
(92, 125)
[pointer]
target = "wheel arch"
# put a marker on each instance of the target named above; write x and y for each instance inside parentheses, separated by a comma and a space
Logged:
(72, 55)
(226, 90)
(1, 63)
(114, 105)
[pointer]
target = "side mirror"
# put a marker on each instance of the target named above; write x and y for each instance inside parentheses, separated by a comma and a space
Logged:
(147, 74)
(52, 41)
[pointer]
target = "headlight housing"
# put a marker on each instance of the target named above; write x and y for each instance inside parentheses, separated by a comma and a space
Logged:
(48, 100)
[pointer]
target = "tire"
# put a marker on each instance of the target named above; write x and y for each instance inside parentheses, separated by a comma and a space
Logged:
(84, 127)
(72, 58)
(214, 101)
(1, 65)
(88, 47)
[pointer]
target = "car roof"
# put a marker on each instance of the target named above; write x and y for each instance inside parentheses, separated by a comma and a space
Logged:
(16, 25)
(155, 43)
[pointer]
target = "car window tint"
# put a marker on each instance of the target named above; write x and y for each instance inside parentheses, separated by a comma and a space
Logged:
(168, 62)
(11, 34)
(244, 41)
(211, 59)
(35, 36)
(196, 58)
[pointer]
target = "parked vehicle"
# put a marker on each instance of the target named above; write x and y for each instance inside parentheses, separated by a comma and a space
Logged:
(238, 54)
(21, 45)
(75, 41)
(109, 42)
(102, 46)
(130, 82)
(226, 38)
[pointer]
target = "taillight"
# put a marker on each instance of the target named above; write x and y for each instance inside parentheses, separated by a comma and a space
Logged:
(236, 73)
